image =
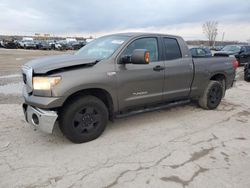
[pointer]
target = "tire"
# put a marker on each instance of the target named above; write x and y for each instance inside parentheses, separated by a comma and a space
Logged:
(83, 119)
(212, 95)
(247, 72)
(223, 83)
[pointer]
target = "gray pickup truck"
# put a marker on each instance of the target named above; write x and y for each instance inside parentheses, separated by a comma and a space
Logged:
(116, 76)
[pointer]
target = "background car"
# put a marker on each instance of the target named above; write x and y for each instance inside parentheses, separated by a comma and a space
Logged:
(10, 44)
(52, 44)
(77, 45)
(244, 55)
(43, 45)
(216, 48)
(27, 44)
(241, 52)
(200, 52)
(229, 50)
(61, 45)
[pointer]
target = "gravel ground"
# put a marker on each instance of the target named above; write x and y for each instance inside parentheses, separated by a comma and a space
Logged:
(183, 146)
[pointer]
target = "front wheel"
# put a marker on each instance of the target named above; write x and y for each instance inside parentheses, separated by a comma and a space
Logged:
(83, 119)
(212, 95)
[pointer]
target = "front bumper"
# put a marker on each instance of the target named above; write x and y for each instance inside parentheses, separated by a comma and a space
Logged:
(41, 119)
(42, 102)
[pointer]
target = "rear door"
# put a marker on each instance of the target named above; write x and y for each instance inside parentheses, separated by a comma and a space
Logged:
(140, 84)
(178, 71)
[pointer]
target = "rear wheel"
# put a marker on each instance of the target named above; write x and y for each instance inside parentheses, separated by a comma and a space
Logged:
(83, 119)
(247, 72)
(212, 95)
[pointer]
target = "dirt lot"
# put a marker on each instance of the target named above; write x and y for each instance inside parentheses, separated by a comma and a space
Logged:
(179, 147)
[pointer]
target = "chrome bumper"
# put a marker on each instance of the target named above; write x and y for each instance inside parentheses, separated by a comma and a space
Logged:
(43, 120)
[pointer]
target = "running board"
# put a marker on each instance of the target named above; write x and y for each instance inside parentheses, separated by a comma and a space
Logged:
(150, 109)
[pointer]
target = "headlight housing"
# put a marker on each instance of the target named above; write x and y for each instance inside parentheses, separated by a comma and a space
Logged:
(42, 85)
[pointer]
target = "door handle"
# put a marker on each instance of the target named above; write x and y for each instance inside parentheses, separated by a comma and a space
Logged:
(158, 68)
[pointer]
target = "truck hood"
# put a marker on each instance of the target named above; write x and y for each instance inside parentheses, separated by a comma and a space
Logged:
(44, 65)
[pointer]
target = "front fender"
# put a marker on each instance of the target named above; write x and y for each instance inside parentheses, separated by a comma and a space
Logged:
(83, 80)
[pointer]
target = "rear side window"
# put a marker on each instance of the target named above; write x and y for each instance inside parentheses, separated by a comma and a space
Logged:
(172, 49)
(149, 44)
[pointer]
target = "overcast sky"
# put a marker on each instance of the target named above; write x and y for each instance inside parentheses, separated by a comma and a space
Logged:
(98, 17)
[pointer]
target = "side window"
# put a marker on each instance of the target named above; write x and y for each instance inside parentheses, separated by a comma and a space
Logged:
(149, 44)
(172, 49)
(201, 52)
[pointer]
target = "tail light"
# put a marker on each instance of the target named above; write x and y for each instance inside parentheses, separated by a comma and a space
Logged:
(235, 64)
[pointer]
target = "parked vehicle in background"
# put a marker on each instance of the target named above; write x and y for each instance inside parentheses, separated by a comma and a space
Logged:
(78, 45)
(229, 50)
(247, 72)
(61, 45)
(9, 44)
(216, 48)
(244, 55)
(43, 45)
(52, 44)
(116, 76)
(200, 52)
(241, 52)
(69, 44)
(27, 43)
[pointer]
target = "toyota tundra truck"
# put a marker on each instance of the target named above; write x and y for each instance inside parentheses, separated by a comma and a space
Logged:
(116, 76)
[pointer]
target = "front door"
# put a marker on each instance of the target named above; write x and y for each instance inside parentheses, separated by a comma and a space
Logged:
(140, 84)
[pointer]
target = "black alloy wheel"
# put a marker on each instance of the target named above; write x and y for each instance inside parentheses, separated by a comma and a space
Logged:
(83, 118)
(214, 96)
(86, 120)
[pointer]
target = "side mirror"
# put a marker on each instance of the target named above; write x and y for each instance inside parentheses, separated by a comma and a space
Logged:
(139, 56)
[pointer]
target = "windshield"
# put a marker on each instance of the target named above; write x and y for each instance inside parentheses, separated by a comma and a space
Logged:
(231, 48)
(102, 48)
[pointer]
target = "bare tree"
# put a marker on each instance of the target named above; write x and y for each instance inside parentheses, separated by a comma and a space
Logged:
(210, 29)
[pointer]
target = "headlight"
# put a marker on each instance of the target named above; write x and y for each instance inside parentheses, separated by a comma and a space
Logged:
(45, 83)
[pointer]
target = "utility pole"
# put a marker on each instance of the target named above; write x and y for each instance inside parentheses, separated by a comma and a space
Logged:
(223, 35)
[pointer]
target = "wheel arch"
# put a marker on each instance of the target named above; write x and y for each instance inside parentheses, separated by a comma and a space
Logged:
(100, 93)
(218, 77)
